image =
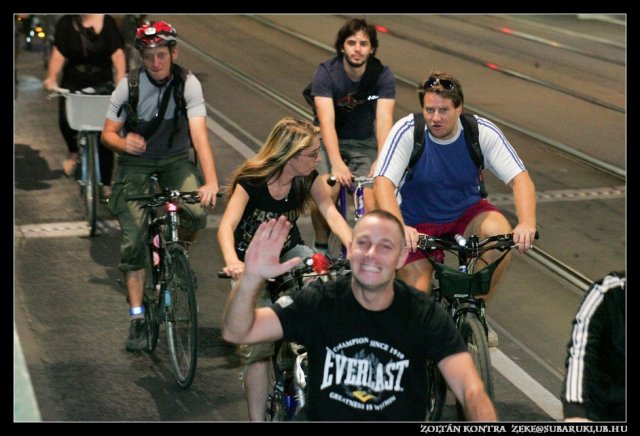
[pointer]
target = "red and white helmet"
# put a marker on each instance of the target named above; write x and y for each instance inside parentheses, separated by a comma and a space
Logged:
(156, 34)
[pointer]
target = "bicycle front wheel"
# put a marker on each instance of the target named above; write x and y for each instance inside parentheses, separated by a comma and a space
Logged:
(436, 392)
(474, 335)
(151, 316)
(91, 185)
(282, 403)
(181, 315)
(276, 410)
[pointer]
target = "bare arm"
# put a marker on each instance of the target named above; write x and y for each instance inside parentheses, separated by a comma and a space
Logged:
(524, 198)
(241, 322)
(462, 377)
(384, 122)
(327, 118)
(234, 267)
(56, 62)
(132, 143)
(385, 192)
(328, 210)
(119, 65)
(200, 138)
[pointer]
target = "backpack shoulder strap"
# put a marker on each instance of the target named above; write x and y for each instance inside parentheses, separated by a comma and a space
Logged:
(418, 138)
(471, 135)
(131, 106)
(472, 138)
(369, 79)
(181, 74)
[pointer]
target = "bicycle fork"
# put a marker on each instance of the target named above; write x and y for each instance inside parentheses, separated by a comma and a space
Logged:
(89, 153)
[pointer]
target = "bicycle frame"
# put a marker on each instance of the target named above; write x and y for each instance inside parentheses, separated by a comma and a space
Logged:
(357, 190)
(170, 297)
(460, 293)
(86, 114)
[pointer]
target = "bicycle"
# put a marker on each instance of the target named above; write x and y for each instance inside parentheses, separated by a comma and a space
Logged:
(170, 296)
(458, 291)
(86, 113)
(336, 249)
(289, 362)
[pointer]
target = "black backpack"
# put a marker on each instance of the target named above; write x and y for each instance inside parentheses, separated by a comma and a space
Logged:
(471, 135)
(131, 106)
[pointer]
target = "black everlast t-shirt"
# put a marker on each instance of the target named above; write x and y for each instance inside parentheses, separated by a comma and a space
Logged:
(366, 365)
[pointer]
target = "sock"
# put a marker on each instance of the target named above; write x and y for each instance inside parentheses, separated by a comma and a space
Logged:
(136, 313)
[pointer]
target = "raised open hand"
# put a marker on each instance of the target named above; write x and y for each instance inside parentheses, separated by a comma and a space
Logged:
(263, 255)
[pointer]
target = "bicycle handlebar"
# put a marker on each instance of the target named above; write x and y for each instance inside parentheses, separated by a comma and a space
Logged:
(312, 266)
(158, 198)
(359, 180)
(56, 91)
(468, 246)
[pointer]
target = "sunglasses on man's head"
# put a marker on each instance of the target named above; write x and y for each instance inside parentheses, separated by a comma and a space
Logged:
(447, 84)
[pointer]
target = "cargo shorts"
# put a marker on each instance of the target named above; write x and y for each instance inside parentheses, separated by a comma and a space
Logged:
(133, 176)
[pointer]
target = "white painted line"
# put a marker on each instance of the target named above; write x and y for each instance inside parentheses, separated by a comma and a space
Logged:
(228, 137)
(25, 404)
(523, 381)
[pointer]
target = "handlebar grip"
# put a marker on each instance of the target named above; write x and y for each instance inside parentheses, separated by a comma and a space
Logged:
(190, 197)
(537, 236)
(331, 181)
(223, 275)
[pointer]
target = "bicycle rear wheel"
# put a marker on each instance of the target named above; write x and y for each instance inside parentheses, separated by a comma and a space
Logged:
(181, 316)
(474, 335)
(91, 184)
(436, 392)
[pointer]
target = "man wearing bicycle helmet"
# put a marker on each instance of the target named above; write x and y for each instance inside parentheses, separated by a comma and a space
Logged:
(441, 193)
(158, 131)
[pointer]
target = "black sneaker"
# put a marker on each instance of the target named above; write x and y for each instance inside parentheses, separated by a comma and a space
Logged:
(137, 340)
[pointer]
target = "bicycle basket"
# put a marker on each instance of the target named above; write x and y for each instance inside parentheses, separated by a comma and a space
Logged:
(453, 282)
(87, 112)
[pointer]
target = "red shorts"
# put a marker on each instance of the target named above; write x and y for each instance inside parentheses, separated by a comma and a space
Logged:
(449, 229)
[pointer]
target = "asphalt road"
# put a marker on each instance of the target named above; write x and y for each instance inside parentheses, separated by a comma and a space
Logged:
(70, 310)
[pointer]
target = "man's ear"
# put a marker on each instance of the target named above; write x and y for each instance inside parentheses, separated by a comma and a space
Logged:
(403, 257)
(174, 52)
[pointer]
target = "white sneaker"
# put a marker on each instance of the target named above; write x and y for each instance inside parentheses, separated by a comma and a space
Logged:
(492, 337)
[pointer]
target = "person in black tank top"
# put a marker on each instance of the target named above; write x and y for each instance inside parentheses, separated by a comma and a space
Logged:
(281, 179)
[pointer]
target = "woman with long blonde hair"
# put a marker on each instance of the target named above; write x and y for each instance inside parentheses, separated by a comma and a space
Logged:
(281, 179)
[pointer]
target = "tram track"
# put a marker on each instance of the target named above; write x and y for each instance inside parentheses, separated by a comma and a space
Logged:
(598, 164)
(540, 256)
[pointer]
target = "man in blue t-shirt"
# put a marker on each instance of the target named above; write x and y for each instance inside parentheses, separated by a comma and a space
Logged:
(441, 195)
(354, 96)
(367, 335)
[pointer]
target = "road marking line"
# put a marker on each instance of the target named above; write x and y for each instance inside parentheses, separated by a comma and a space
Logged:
(530, 387)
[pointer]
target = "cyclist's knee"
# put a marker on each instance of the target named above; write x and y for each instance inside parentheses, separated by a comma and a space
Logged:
(417, 274)
(489, 224)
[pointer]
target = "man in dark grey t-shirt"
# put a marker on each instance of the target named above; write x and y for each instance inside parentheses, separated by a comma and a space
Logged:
(354, 96)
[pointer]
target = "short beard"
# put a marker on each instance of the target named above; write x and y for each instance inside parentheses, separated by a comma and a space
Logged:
(354, 65)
